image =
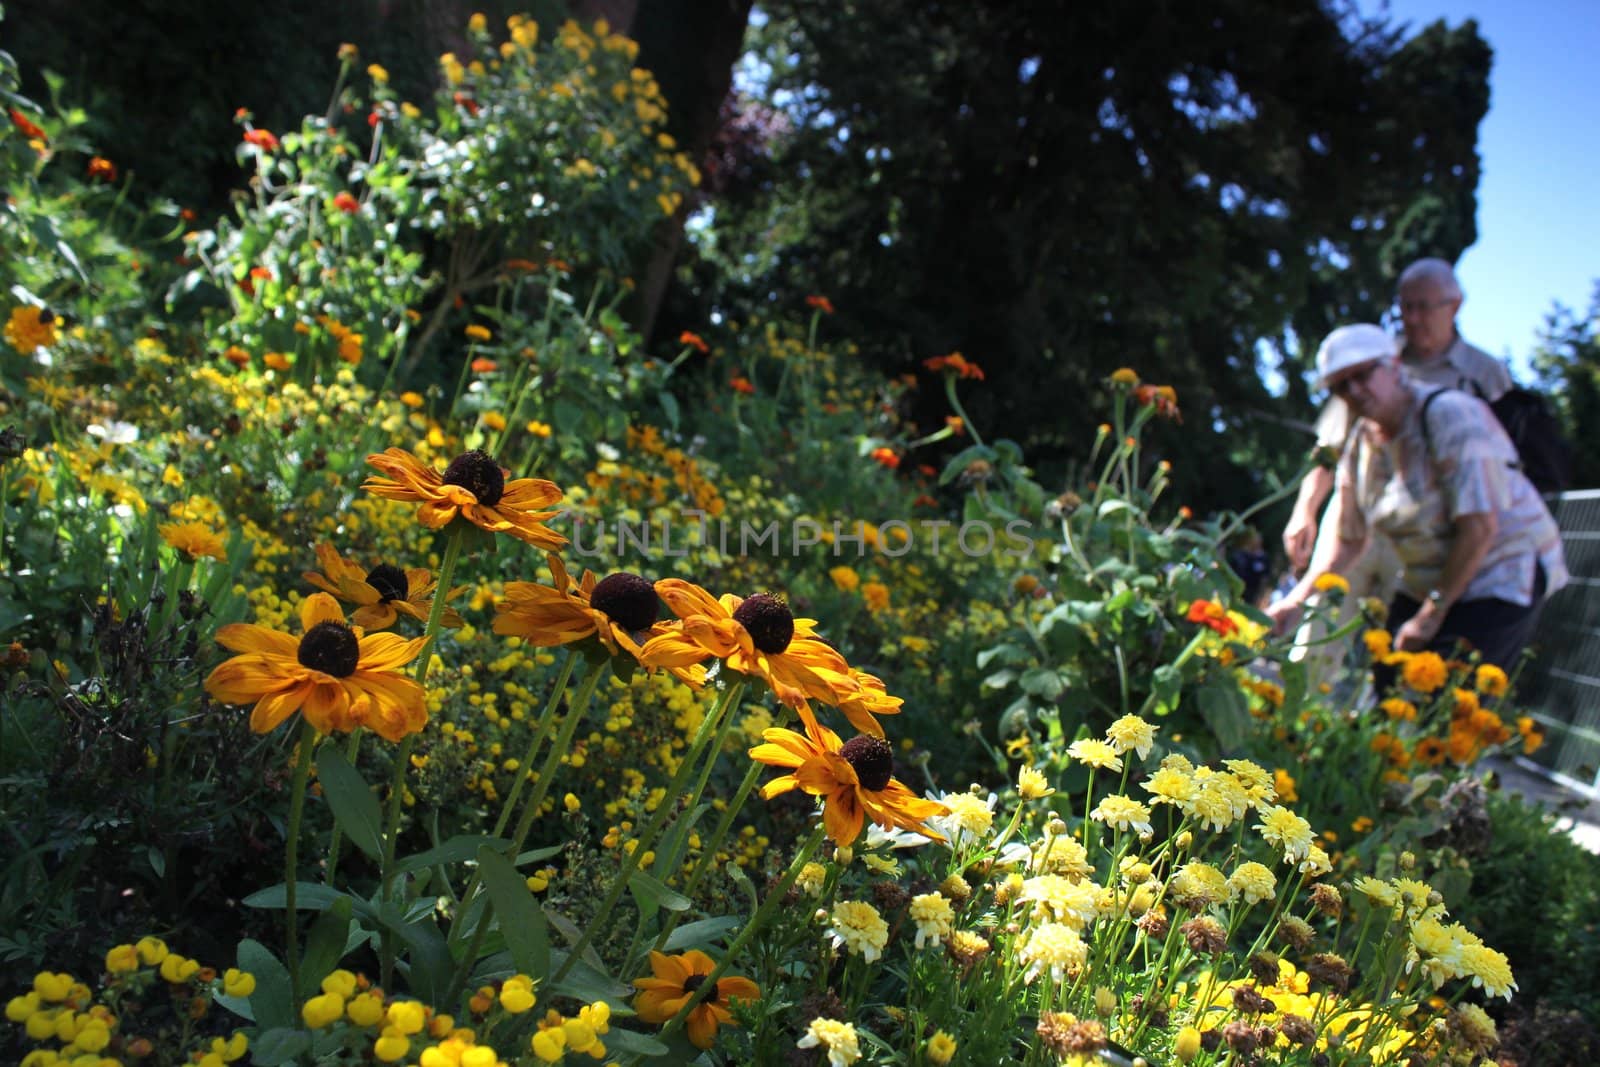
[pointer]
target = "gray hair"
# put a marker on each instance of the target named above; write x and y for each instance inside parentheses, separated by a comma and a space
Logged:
(1435, 270)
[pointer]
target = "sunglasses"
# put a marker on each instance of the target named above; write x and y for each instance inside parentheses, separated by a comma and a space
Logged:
(1341, 388)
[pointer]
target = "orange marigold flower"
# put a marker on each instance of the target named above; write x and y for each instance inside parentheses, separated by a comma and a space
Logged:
(473, 487)
(25, 126)
(483, 366)
(523, 265)
(820, 303)
(336, 676)
(195, 539)
(854, 780)
(1211, 613)
(1163, 398)
(956, 362)
(695, 341)
(674, 979)
(346, 203)
(102, 169)
(262, 139)
(741, 384)
(885, 456)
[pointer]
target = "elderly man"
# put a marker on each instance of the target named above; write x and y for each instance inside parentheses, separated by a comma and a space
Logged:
(1434, 354)
(1434, 471)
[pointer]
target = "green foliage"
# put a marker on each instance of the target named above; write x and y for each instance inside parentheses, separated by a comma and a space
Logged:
(1568, 365)
(1203, 192)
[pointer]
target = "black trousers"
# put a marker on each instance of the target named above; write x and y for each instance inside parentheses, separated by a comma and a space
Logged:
(1498, 630)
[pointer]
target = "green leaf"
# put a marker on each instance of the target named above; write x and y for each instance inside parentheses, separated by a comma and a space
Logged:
(652, 894)
(635, 1043)
(702, 933)
(353, 805)
(669, 407)
(585, 982)
(1011, 653)
(429, 962)
(454, 850)
(280, 1045)
(325, 944)
(522, 920)
(962, 459)
(1042, 682)
(271, 1002)
(1227, 714)
(308, 897)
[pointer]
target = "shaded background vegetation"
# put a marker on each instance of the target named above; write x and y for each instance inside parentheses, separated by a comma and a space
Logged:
(1197, 191)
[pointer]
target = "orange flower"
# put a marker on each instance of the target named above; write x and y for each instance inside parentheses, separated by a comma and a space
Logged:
(695, 341)
(759, 636)
(741, 384)
(1211, 613)
(262, 139)
(956, 362)
(854, 780)
(483, 366)
(334, 675)
(620, 610)
(887, 457)
(382, 594)
(25, 126)
(346, 203)
(473, 487)
(821, 303)
(1163, 398)
(102, 169)
(674, 979)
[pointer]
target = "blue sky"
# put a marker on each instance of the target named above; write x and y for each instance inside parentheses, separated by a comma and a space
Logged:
(1538, 215)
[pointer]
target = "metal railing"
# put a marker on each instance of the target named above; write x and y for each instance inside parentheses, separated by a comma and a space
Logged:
(1560, 684)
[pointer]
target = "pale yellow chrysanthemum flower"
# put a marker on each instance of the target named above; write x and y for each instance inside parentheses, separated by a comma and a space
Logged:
(1288, 831)
(1062, 855)
(1198, 885)
(1053, 947)
(857, 926)
(1132, 734)
(1170, 786)
(1253, 883)
(839, 1039)
(934, 918)
(1123, 813)
(1095, 753)
(1032, 784)
(1059, 899)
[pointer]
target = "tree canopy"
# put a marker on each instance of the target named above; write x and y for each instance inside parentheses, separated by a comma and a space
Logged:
(1196, 191)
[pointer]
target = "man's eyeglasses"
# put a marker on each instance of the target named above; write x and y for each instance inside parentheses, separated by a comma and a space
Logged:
(1419, 307)
(1341, 388)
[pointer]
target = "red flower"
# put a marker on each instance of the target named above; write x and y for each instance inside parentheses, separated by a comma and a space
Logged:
(741, 384)
(886, 456)
(24, 126)
(465, 101)
(346, 203)
(483, 366)
(262, 139)
(102, 169)
(694, 340)
(264, 273)
(373, 118)
(1163, 398)
(1212, 614)
(821, 303)
(955, 361)
(925, 501)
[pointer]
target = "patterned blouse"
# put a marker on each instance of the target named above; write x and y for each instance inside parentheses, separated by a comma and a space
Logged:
(1395, 488)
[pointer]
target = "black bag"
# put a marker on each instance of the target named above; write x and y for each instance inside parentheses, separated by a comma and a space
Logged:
(1543, 454)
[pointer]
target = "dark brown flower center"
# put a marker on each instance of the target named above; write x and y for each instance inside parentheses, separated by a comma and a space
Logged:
(331, 648)
(627, 600)
(768, 621)
(478, 474)
(695, 981)
(872, 759)
(389, 581)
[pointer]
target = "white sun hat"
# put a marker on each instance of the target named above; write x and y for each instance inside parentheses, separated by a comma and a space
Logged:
(1351, 346)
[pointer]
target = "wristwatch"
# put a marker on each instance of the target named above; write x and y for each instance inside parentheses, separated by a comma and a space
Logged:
(1436, 597)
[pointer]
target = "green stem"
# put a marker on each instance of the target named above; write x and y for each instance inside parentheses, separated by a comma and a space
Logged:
(720, 713)
(540, 733)
(955, 404)
(547, 773)
(337, 838)
(757, 922)
(305, 744)
(402, 759)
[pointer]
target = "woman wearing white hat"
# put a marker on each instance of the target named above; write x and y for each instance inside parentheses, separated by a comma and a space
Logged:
(1478, 549)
